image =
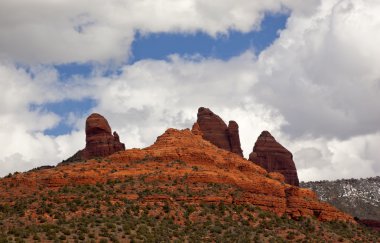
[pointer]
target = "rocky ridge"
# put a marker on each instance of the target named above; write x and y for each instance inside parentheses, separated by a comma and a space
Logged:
(181, 188)
(180, 155)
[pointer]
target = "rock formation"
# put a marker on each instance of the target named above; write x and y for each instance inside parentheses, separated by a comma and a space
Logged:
(272, 156)
(100, 142)
(177, 162)
(233, 135)
(214, 129)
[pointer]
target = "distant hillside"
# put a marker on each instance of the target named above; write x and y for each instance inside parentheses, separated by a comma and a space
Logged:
(358, 197)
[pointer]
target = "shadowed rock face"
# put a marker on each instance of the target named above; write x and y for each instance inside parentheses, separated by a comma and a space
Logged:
(373, 224)
(100, 142)
(214, 129)
(233, 135)
(272, 156)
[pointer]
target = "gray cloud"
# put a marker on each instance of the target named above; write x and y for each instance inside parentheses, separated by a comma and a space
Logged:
(310, 157)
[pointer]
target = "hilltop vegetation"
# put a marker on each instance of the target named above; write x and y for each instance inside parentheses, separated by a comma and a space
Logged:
(97, 213)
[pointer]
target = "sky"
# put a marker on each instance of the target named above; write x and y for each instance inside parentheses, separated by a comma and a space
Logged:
(307, 71)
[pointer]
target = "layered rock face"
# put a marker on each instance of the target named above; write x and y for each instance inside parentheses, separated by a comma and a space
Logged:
(214, 129)
(100, 142)
(272, 156)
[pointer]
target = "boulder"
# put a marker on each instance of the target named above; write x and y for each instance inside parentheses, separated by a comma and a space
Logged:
(273, 157)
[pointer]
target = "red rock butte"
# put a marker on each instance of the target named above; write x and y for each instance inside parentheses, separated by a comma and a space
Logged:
(272, 156)
(195, 161)
(213, 129)
(267, 152)
(100, 142)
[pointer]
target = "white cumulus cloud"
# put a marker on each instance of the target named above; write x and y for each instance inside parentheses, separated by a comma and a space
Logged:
(101, 31)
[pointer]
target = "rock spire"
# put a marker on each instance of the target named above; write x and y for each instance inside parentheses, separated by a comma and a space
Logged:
(272, 156)
(100, 142)
(214, 129)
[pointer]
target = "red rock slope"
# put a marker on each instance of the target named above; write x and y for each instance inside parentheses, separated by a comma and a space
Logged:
(186, 157)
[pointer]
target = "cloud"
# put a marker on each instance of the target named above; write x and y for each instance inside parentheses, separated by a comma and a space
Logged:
(315, 88)
(356, 157)
(102, 31)
(322, 73)
(311, 157)
(48, 32)
(150, 96)
(316, 84)
(22, 141)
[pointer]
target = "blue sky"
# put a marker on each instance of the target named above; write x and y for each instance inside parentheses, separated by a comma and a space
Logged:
(159, 46)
